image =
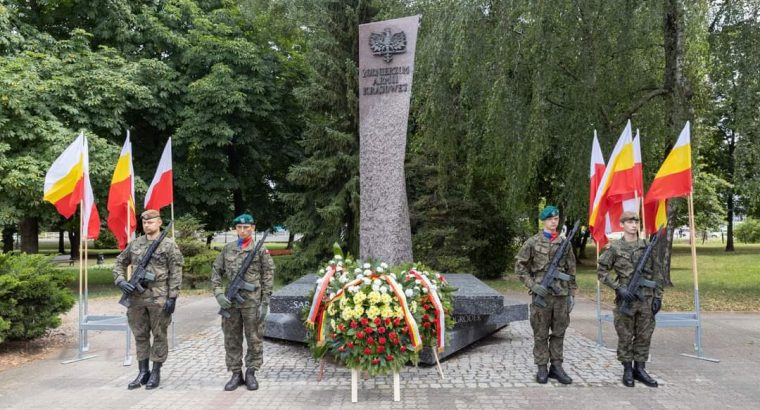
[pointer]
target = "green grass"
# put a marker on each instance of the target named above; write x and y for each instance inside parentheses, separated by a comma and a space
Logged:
(728, 281)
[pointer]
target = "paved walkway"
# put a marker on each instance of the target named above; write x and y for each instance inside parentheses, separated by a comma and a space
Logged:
(494, 373)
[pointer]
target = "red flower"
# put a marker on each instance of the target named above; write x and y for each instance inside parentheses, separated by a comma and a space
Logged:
(380, 349)
(403, 348)
(392, 335)
(365, 321)
(389, 358)
(396, 322)
(387, 321)
(425, 317)
(370, 340)
(368, 330)
(404, 330)
(350, 345)
(381, 330)
(354, 324)
(426, 306)
(341, 349)
(375, 361)
(381, 340)
(378, 321)
(367, 351)
(360, 335)
(341, 327)
(333, 336)
(426, 325)
(394, 341)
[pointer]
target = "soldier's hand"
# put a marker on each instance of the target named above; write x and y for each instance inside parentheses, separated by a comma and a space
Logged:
(656, 305)
(570, 304)
(170, 304)
(223, 301)
(624, 294)
(263, 310)
(539, 290)
(126, 287)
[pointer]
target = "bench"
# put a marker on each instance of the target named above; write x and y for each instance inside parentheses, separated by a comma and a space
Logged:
(63, 259)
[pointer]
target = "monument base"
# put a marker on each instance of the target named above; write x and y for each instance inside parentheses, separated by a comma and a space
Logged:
(479, 311)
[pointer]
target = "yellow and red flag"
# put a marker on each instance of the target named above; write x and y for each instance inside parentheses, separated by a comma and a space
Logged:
(614, 186)
(674, 179)
(121, 197)
(67, 184)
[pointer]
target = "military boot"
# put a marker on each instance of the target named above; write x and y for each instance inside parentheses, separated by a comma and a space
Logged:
(557, 372)
(235, 381)
(543, 375)
(627, 374)
(640, 374)
(250, 379)
(142, 376)
(155, 377)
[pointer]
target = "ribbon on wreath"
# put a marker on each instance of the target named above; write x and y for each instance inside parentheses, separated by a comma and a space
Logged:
(435, 300)
(319, 295)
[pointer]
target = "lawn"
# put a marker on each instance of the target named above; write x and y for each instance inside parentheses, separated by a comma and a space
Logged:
(727, 281)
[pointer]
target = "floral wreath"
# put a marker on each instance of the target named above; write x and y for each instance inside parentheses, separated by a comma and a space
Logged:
(373, 319)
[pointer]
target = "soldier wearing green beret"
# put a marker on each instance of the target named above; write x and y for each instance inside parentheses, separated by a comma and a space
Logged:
(247, 318)
(549, 323)
(634, 333)
(150, 312)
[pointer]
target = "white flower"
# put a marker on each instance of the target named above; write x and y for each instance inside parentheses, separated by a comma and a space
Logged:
(366, 281)
(403, 272)
(332, 279)
(348, 261)
(359, 276)
(340, 264)
(338, 258)
(330, 296)
(332, 262)
(367, 272)
(384, 265)
(321, 271)
(417, 281)
(375, 286)
(432, 285)
(380, 269)
(383, 289)
(424, 290)
(377, 282)
(367, 266)
(358, 270)
(353, 289)
(343, 279)
(409, 293)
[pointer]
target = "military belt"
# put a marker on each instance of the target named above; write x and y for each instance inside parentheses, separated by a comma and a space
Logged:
(647, 283)
(249, 286)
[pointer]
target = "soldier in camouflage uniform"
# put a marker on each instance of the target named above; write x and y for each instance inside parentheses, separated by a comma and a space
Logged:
(150, 312)
(247, 317)
(634, 333)
(531, 264)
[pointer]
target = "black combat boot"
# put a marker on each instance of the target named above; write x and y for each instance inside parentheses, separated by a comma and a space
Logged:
(142, 377)
(155, 377)
(640, 374)
(627, 374)
(250, 379)
(235, 381)
(557, 372)
(543, 375)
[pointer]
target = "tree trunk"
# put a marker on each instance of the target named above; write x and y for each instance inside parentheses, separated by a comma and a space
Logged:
(74, 241)
(730, 194)
(291, 238)
(678, 101)
(8, 239)
(29, 229)
(61, 247)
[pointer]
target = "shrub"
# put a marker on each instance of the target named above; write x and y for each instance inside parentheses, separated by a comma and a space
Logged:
(106, 240)
(748, 231)
(32, 295)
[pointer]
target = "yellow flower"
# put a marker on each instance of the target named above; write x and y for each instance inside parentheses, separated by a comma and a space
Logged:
(346, 314)
(332, 324)
(331, 309)
(375, 297)
(343, 302)
(398, 312)
(373, 311)
(413, 307)
(386, 298)
(358, 311)
(386, 312)
(359, 298)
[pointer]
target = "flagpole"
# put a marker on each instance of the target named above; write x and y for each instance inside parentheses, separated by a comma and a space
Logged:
(81, 277)
(172, 210)
(599, 334)
(695, 273)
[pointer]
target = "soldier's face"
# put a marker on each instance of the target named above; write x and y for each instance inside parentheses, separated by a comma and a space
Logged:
(550, 224)
(630, 226)
(244, 231)
(151, 226)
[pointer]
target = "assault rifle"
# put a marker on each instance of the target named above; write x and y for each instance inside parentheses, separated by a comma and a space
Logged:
(141, 276)
(238, 283)
(637, 281)
(552, 272)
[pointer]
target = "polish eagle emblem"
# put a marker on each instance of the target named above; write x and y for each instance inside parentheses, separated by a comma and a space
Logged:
(386, 44)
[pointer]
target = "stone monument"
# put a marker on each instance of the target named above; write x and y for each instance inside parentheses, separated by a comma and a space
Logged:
(386, 67)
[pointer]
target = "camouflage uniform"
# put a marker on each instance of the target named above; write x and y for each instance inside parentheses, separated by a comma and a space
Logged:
(634, 333)
(531, 264)
(244, 318)
(145, 314)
